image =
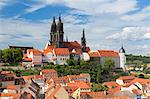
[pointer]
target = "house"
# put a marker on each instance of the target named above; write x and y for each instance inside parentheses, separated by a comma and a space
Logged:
(124, 80)
(36, 56)
(79, 86)
(32, 88)
(7, 78)
(81, 77)
(100, 56)
(93, 95)
(49, 73)
(122, 95)
(9, 96)
(61, 55)
(56, 92)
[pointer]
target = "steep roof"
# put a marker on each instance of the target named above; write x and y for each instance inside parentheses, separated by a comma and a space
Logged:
(108, 53)
(61, 51)
(94, 54)
(72, 45)
(35, 51)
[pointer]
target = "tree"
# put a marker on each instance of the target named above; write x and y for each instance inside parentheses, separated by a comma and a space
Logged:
(99, 73)
(12, 55)
(72, 62)
(99, 87)
(109, 63)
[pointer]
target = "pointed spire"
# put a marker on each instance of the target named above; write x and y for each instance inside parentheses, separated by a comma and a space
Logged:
(59, 17)
(83, 33)
(53, 19)
(53, 26)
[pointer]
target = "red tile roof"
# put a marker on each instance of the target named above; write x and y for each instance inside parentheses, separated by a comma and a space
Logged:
(52, 96)
(79, 84)
(13, 95)
(110, 84)
(93, 95)
(12, 87)
(35, 51)
(94, 54)
(72, 45)
(108, 53)
(61, 51)
(48, 70)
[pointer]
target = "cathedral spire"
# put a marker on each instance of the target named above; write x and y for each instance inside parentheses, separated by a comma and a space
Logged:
(83, 42)
(53, 26)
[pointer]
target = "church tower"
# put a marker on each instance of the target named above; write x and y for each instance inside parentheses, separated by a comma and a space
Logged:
(57, 33)
(122, 58)
(83, 42)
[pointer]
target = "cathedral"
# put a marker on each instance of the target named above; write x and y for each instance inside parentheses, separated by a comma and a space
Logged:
(57, 38)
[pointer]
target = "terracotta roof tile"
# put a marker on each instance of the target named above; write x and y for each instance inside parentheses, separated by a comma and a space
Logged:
(48, 70)
(35, 51)
(108, 53)
(13, 95)
(61, 51)
(94, 54)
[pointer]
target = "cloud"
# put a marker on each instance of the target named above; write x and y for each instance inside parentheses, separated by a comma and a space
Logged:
(132, 33)
(139, 16)
(4, 3)
(94, 7)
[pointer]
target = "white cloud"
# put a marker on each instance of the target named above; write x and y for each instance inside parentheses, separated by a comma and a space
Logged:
(93, 7)
(139, 16)
(132, 33)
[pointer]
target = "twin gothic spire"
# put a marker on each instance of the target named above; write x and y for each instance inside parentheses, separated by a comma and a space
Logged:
(57, 28)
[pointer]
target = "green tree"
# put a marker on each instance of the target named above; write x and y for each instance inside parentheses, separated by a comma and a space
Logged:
(99, 87)
(12, 55)
(109, 64)
(99, 73)
(72, 62)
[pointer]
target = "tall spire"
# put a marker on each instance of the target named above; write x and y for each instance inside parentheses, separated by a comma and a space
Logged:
(83, 34)
(53, 26)
(83, 42)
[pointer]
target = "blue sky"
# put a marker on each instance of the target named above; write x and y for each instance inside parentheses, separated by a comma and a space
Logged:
(107, 23)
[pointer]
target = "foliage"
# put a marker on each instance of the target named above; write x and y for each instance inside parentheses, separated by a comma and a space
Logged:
(147, 71)
(72, 62)
(133, 59)
(99, 87)
(12, 56)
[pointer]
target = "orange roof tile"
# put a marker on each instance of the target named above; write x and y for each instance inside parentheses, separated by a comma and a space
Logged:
(110, 84)
(48, 70)
(94, 54)
(13, 95)
(35, 51)
(61, 51)
(12, 87)
(52, 96)
(108, 53)
(94, 95)
(79, 84)
(126, 78)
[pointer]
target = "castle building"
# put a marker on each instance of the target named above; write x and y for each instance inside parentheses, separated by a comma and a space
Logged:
(57, 38)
